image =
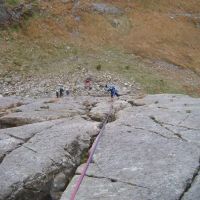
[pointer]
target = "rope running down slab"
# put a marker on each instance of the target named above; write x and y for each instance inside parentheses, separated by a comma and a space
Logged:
(94, 146)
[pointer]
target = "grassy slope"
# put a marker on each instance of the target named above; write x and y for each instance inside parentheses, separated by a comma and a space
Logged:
(145, 30)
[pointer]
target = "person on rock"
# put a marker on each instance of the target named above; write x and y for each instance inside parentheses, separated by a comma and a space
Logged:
(60, 91)
(88, 83)
(113, 91)
(57, 94)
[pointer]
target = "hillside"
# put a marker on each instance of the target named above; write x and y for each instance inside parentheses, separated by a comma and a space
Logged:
(151, 42)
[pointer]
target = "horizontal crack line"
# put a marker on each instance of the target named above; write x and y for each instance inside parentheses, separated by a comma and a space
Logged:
(155, 132)
(181, 126)
(30, 149)
(16, 137)
(113, 180)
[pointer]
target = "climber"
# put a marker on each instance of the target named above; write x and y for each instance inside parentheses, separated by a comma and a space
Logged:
(113, 91)
(88, 83)
(60, 91)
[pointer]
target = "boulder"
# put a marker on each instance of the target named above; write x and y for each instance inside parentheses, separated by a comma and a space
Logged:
(100, 111)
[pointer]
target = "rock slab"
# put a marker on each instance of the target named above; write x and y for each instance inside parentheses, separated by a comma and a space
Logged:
(151, 151)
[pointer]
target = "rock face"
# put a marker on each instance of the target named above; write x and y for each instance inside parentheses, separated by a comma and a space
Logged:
(151, 151)
(15, 14)
(150, 148)
(40, 110)
(38, 157)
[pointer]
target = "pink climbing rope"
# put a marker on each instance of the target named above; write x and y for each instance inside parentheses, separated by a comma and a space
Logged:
(94, 146)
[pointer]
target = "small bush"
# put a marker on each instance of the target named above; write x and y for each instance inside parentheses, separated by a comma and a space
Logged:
(98, 67)
(12, 2)
(127, 67)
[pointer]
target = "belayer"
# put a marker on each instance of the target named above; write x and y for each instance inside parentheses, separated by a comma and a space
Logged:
(113, 91)
(60, 91)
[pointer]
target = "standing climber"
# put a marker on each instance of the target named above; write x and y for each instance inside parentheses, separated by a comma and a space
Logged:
(60, 91)
(113, 91)
(57, 94)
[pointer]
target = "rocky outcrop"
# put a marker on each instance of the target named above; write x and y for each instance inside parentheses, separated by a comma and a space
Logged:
(4, 15)
(38, 159)
(42, 142)
(150, 151)
(42, 110)
(15, 14)
(35, 158)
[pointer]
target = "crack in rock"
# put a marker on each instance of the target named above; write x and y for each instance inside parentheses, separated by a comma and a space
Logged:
(138, 128)
(183, 120)
(114, 180)
(46, 181)
(155, 132)
(30, 149)
(162, 124)
(16, 137)
(26, 140)
(181, 126)
(190, 182)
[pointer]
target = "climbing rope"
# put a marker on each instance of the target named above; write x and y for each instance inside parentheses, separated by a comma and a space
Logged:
(94, 146)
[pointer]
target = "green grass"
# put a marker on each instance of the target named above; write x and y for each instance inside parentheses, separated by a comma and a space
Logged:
(13, 2)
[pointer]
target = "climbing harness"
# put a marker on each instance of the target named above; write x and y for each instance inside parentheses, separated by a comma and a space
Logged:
(94, 146)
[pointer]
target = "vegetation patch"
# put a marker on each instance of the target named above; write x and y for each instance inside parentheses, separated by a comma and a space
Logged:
(13, 2)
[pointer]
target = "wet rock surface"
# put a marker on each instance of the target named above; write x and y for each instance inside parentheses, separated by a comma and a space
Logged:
(150, 151)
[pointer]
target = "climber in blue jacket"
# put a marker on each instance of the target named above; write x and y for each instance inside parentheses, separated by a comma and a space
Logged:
(113, 91)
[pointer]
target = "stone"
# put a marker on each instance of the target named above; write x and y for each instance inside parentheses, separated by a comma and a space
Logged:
(106, 9)
(65, 1)
(8, 80)
(100, 111)
(136, 102)
(115, 23)
(58, 185)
